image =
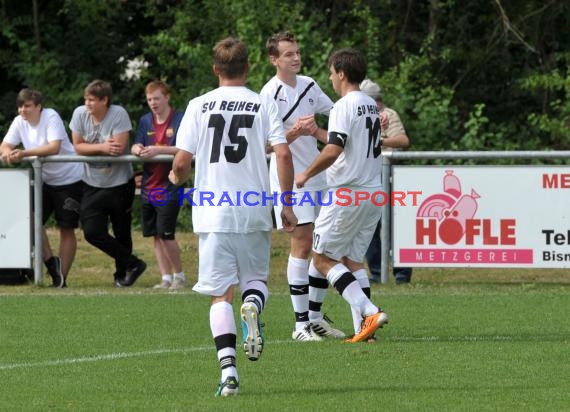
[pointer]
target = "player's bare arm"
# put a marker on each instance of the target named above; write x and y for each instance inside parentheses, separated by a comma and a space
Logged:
(114, 146)
(400, 141)
(285, 174)
(326, 157)
(181, 167)
(48, 149)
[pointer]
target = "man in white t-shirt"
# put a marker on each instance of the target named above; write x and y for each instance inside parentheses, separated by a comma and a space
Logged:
(41, 132)
(298, 99)
(226, 131)
(352, 160)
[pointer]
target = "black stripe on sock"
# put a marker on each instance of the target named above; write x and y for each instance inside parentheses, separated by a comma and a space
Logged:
(301, 317)
(255, 292)
(297, 290)
(227, 340)
(320, 283)
(315, 306)
(366, 292)
(345, 279)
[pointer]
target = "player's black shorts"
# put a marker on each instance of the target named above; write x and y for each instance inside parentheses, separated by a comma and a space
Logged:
(160, 220)
(64, 202)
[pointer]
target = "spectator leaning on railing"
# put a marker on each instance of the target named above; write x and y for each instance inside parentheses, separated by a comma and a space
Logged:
(42, 133)
(156, 135)
(100, 128)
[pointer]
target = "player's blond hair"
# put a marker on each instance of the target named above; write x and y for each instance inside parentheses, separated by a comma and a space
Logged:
(231, 57)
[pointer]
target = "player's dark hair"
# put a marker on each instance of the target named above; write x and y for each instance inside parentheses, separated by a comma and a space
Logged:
(100, 89)
(272, 44)
(351, 62)
(231, 58)
(27, 95)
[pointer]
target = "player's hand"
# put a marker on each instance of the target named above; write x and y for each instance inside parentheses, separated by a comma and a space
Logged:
(5, 156)
(384, 121)
(308, 125)
(288, 218)
(113, 147)
(301, 179)
(137, 149)
(148, 151)
(16, 155)
(174, 179)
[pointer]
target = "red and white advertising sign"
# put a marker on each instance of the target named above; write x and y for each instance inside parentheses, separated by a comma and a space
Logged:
(482, 216)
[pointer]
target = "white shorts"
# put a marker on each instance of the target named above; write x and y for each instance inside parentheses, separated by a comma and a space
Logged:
(227, 259)
(346, 231)
(307, 207)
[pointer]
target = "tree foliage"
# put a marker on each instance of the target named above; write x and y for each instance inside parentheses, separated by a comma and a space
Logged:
(477, 75)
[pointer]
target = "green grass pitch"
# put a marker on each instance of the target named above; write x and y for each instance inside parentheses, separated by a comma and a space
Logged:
(458, 340)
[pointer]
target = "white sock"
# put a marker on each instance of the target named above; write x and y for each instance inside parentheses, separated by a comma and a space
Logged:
(362, 279)
(318, 286)
(298, 280)
(352, 292)
(222, 322)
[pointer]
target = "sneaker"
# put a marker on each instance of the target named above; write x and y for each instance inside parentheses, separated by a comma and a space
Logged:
(118, 279)
(229, 387)
(323, 328)
(178, 283)
(133, 273)
(252, 337)
(369, 325)
(165, 284)
(403, 275)
(54, 270)
(306, 334)
(400, 280)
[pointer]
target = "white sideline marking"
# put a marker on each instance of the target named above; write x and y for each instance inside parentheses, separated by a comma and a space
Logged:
(125, 355)
(97, 358)
(111, 356)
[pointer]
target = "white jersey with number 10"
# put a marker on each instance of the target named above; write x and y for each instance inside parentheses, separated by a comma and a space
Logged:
(355, 116)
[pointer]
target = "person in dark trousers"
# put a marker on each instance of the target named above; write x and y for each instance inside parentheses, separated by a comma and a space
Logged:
(100, 128)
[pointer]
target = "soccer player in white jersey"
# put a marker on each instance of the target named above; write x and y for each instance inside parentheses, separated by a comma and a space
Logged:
(298, 99)
(227, 131)
(352, 160)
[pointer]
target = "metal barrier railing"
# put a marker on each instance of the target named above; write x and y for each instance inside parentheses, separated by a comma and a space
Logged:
(38, 183)
(386, 241)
